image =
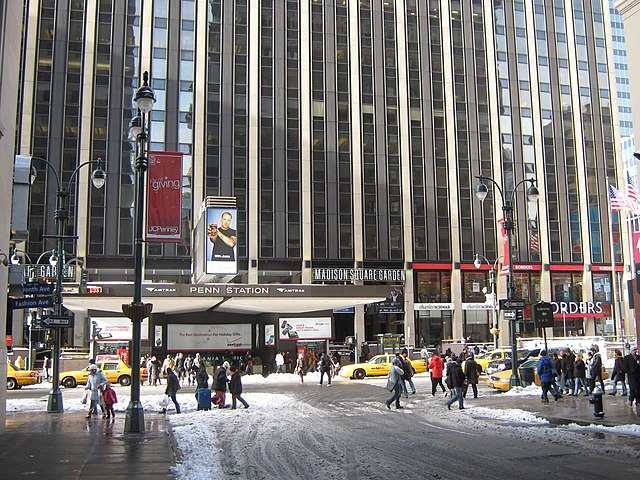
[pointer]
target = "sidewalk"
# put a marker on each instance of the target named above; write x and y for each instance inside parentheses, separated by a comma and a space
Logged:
(66, 445)
(569, 409)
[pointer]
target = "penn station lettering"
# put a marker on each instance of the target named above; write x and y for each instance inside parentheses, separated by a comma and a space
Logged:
(358, 274)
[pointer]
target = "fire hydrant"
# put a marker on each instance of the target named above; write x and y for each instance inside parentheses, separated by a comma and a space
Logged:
(596, 401)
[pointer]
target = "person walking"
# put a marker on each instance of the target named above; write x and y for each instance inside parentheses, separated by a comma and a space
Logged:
(456, 375)
(279, 363)
(408, 374)
(235, 387)
(471, 373)
(580, 374)
(220, 381)
(567, 376)
(249, 367)
(110, 398)
(596, 367)
(325, 367)
(95, 382)
(618, 374)
(393, 383)
(45, 367)
(180, 371)
(436, 369)
(547, 374)
(155, 371)
(632, 368)
(173, 385)
(300, 368)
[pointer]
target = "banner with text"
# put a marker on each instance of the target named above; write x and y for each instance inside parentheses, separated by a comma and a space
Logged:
(317, 328)
(116, 329)
(164, 197)
(203, 338)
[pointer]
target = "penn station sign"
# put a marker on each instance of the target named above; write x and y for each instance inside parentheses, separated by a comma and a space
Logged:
(359, 275)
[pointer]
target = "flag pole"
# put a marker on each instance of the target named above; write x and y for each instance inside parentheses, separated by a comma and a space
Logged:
(614, 283)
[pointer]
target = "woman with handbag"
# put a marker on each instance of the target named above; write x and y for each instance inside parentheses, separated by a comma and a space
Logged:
(393, 383)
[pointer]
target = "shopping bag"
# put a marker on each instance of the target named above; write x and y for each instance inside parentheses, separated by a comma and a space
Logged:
(164, 401)
(85, 397)
(391, 385)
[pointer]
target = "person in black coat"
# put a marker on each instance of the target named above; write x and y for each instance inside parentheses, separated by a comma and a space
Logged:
(568, 359)
(173, 385)
(235, 387)
(596, 368)
(471, 373)
(202, 378)
(632, 367)
(220, 381)
(455, 373)
(618, 374)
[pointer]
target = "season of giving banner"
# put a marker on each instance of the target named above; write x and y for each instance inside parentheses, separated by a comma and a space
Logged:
(164, 197)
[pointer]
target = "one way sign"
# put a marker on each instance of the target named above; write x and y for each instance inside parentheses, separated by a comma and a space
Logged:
(512, 304)
(56, 321)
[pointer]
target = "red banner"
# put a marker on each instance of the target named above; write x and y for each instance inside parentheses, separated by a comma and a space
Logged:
(505, 244)
(636, 247)
(164, 197)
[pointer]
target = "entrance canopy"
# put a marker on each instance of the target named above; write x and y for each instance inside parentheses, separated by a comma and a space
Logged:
(231, 297)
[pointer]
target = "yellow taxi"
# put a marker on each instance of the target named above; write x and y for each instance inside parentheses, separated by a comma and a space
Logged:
(116, 371)
(376, 367)
(20, 378)
(500, 380)
(483, 359)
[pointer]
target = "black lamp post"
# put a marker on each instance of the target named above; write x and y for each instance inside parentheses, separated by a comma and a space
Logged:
(509, 226)
(61, 216)
(136, 310)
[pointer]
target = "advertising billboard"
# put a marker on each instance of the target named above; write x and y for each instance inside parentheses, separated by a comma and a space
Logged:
(317, 328)
(201, 338)
(221, 239)
(164, 197)
(116, 329)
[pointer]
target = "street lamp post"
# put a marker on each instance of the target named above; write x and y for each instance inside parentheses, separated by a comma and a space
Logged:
(137, 310)
(61, 216)
(494, 304)
(509, 226)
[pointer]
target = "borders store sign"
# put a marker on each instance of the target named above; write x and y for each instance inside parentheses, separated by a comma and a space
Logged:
(202, 338)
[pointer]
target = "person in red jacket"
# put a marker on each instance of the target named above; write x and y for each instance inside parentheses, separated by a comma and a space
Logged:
(436, 368)
(109, 396)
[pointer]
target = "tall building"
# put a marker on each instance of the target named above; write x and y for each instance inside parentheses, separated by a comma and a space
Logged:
(350, 134)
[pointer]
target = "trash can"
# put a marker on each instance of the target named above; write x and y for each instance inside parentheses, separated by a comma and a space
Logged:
(527, 375)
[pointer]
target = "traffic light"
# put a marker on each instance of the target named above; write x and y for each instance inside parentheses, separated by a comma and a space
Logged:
(519, 316)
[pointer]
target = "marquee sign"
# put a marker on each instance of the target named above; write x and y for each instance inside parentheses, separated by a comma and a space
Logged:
(358, 274)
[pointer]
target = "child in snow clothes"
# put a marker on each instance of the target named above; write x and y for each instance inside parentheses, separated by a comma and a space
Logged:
(235, 387)
(109, 396)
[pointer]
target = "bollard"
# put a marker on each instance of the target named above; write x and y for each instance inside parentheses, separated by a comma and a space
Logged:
(596, 401)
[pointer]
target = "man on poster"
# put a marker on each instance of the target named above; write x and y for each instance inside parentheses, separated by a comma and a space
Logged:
(224, 239)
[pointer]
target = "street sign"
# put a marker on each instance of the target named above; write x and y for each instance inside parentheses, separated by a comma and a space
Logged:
(38, 302)
(36, 288)
(56, 321)
(512, 304)
(542, 314)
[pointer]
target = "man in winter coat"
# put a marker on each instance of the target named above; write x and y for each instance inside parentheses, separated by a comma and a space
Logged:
(235, 387)
(596, 368)
(395, 378)
(220, 381)
(567, 376)
(95, 383)
(173, 385)
(472, 374)
(408, 374)
(325, 367)
(632, 367)
(436, 368)
(455, 373)
(546, 372)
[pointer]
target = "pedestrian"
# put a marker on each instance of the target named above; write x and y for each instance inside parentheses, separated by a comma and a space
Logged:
(547, 373)
(279, 362)
(457, 378)
(393, 383)
(300, 367)
(311, 362)
(110, 398)
(95, 382)
(19, 363)
(580, 374)
(409, 371)
(173, 385)
(596, 367)
(155, 371)
(567, 376)
(288, 362)
(436, 369)
(188, 369)
(472, 373)
(249, 368)
(45, 367)
(202, 378)
(325, 367)
(632, 368)
(618, 374)
(180, 371)
(235, 387)
(220, 381)
(168, 363)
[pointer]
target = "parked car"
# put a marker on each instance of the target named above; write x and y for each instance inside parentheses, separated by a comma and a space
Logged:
(505, 362)
(483, 359)
(19, 378)
(377, 366)
(116, 371)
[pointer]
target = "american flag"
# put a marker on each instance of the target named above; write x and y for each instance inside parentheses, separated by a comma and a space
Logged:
(618, 200)
(633, 196)
(534, 242)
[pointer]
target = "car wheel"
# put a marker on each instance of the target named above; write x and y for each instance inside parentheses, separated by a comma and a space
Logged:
(359, 374)
(12, 384)
(125, 380)
(69, 382)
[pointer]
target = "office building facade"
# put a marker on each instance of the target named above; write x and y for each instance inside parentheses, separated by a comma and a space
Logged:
(350, 134)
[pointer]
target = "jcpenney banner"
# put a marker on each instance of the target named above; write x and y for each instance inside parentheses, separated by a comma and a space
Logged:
(202, 338)
(318, 328)
(164, 197)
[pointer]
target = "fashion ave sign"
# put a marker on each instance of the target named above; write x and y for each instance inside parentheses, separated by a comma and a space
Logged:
(164, 197)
